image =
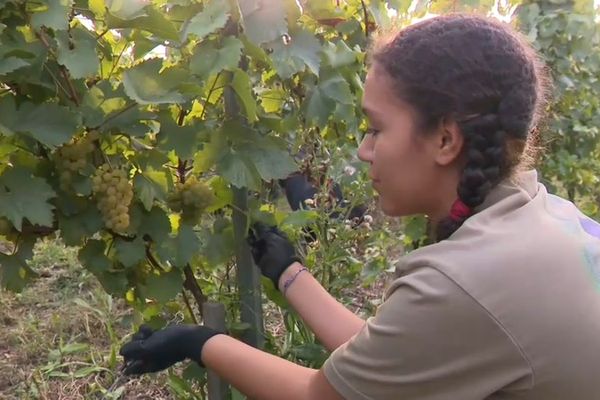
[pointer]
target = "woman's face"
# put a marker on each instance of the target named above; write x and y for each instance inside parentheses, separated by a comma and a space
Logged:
(404, 163)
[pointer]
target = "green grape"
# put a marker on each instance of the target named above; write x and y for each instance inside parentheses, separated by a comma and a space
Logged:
(114, 194)
(191, 199)
(72, 157)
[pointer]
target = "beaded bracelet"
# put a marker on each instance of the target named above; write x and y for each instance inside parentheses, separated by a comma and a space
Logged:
(291, 280)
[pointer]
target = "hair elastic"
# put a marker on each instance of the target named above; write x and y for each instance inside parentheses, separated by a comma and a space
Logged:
(460, 211)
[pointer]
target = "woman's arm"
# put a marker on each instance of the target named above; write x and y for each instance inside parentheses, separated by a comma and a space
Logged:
(276, 257)
(263, 376)
(333, 323)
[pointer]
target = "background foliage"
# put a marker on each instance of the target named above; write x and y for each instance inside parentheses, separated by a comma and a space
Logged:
(221, 99)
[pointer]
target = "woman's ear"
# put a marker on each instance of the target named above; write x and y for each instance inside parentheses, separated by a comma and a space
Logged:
(449, 142)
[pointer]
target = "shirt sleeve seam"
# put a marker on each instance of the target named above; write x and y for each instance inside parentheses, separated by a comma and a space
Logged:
(493, 318)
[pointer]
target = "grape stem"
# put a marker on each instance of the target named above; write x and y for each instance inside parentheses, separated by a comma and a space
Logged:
(366, 13)
(189, 306)
(191, 284)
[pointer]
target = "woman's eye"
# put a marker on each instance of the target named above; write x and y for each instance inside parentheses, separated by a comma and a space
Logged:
(372, 131)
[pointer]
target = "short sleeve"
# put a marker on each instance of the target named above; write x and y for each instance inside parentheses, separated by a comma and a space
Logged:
(429, 340)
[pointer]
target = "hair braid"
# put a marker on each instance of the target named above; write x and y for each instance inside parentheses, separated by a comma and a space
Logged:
(484, 167)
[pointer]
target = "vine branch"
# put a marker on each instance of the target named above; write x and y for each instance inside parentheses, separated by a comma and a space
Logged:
(366, 16)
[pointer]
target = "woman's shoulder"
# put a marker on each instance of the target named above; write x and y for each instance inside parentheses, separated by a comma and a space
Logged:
(517, 250)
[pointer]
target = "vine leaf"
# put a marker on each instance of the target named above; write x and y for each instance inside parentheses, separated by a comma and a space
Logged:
(213, 17)
(54, 16)
(23, 196)
(208, 60)
(264, 21)
(48, 123)
(78, 53)
(179, 250)
(303, 50)
(146, 84)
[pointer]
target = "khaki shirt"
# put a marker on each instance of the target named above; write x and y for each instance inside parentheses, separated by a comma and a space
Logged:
(507, 308)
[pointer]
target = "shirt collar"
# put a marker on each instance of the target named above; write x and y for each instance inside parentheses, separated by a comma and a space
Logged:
(524, 183)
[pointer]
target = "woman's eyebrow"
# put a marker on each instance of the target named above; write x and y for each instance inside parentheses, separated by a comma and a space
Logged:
(370, 113)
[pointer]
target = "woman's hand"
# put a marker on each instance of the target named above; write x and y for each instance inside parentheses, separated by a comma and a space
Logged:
(152, 351)
(272, 251)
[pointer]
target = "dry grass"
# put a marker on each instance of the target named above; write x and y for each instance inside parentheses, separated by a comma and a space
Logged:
(43, 321)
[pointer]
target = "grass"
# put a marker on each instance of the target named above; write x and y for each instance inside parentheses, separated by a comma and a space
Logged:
(59, 338)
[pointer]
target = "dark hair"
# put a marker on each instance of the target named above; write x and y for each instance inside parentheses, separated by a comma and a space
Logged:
(484, 76)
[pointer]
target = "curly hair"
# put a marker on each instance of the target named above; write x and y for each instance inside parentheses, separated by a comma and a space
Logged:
(483, 75)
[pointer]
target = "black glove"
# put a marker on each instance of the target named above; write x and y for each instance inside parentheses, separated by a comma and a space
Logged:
(297, 190)
(272, 251)
(152, 351)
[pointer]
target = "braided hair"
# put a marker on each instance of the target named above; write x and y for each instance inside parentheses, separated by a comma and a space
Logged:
(480, 73)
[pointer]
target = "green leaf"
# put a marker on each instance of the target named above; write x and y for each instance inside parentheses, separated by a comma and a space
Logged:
(150, 20)
(338, 89)
(312, 352)
(55, 16)
(10, 64)
(303, 50)
(145, 84)
(129, 253)
(48, 123)
(218, 247)
(415, 228)
(74, 228)
(23, 196)
(263, 21)
(320, 107)
(207, 60)
(164, 286)
(125, 9)
(271, 161)
(243, 88)
(183, 140)
(339, 54)
(300, 218)
(93, 258)
(272, 100)
(222, 192)
(98, 7)
(150, 185)
(194, 372)
(238, 170)
(77, 52)
(155, 224)
(399, 5)
(210, 153)
(213, 17)
(14, 269)
(129, 122)
(14, 273)
(180, 249)
(113, 282)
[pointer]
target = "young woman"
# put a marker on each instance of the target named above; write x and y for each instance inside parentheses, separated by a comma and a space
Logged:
(506, 303)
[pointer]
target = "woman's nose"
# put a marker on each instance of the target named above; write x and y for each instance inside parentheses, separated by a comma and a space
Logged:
(365, 150)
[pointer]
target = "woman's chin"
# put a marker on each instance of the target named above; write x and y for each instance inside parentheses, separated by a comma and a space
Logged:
(388, 208)
(393, 208)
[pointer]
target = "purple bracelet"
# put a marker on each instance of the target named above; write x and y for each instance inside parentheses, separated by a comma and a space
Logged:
(291, 280)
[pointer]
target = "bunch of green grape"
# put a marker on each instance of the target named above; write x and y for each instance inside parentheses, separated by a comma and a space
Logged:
(191, 199)
(71, 159)
(113, 193)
